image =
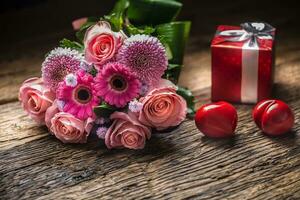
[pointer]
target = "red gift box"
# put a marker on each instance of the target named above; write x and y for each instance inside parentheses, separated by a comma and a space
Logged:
(242, 62)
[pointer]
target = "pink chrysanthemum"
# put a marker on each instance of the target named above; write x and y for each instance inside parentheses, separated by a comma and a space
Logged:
(117, 84)
(146, 56)
(59, 63)
(79, 95)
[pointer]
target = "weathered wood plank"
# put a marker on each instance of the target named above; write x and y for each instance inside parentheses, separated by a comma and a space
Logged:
(14, 74)
(16, 128)
(172, 165)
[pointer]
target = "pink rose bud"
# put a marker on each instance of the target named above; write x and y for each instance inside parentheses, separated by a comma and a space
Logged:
(163, 108)
(77, 23)
(126, 131)
(101, 43)
(69, 129)
(36, 99)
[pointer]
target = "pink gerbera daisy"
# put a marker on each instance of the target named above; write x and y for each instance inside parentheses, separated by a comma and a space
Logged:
(79, 95)
(117, 84)
(146, 56)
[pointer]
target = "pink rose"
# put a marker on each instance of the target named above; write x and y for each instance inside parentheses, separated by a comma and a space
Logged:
(51, 111)
(68, 128)
(36, 99)
(126, 131)
(163, 108)
(163, 83)
(101, 43)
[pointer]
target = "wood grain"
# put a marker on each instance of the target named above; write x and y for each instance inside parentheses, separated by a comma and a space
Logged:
(181, 164)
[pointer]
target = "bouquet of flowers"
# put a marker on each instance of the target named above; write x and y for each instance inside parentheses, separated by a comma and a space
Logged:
(117, 81)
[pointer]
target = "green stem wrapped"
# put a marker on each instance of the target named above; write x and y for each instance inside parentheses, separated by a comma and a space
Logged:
(174, 35)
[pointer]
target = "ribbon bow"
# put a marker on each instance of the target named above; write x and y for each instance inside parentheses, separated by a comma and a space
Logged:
(250, 32)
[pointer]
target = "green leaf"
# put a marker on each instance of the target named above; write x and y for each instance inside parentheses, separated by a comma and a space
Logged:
(93, 71)
(116, 21)
(167, 48)
(173, 72)
(132, 30)
(120, 6)
(188, 96)
(80, 35)
(173, 66)
(116, 17)
(70, 44)
(175, 34)
(104, 110)
(153, 12)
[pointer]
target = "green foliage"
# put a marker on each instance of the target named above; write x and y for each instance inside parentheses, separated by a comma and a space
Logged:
(104, 110)
(93, 71)
(116, 17)
(173, 72)
(146, 30)
(65, 43)
(120, 6)
(188, 96)
(175, 34)
(115, 21)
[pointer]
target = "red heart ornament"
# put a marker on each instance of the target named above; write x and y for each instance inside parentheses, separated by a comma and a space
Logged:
(273, 117)
(217, 120)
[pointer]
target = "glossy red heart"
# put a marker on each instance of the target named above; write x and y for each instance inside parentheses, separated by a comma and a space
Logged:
(273, 117)
(217, 120)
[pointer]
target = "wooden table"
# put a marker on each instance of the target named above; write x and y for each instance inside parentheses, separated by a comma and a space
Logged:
(176, 165)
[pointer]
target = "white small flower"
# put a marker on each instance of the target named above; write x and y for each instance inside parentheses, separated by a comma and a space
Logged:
(71, 80)
(60, 105)
(101, 131)
(86, 66)
(135, 106)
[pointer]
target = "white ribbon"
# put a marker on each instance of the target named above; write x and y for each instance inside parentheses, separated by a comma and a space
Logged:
(249, 83)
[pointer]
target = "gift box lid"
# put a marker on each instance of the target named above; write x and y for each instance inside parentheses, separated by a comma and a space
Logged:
(260, 34)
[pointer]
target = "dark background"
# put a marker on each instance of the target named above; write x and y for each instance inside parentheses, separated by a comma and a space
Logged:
(26, 23)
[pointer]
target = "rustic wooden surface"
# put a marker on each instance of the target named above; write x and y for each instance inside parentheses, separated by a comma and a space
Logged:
(176, 165)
